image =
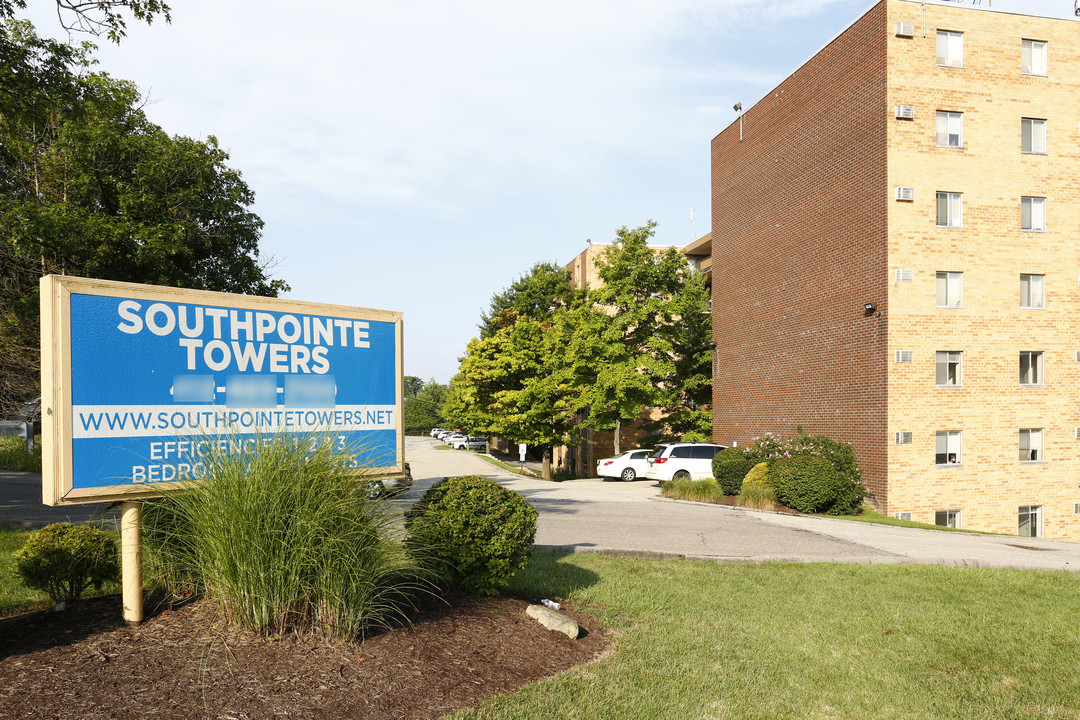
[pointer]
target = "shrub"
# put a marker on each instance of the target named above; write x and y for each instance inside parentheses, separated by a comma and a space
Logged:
(841, 455)
(473, 531)
(698, 490)
(729, 467)
(811, 484)
(63, 560)
(758, 476)
(285, 535)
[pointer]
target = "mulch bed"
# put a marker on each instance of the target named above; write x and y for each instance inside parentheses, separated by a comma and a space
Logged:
(85, 663)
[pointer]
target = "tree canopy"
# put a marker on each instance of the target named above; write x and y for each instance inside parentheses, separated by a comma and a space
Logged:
(96, 17)
(89, 186)
(552, 360)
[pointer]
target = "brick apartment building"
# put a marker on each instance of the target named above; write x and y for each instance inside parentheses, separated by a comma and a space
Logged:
(896, 230)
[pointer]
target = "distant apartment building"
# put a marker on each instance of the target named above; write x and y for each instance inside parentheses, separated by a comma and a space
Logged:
(896, 230)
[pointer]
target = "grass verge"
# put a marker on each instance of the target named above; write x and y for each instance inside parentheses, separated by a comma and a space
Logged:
(13, 454)
(808, 641)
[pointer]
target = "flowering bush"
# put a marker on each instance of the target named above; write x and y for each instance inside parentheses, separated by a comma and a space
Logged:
(771, 447)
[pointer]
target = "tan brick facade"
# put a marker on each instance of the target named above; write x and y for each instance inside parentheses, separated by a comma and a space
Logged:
(807, 229)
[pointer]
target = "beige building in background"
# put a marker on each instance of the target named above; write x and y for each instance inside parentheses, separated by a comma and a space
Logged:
(906, 205)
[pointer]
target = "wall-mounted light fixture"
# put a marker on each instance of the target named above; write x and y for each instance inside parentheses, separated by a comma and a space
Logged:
(737, 107)
(869, 308)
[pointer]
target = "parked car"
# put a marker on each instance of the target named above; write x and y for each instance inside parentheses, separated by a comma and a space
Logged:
(443, 434)
(456, 439)
(682, 461)
(435, 432)
(628, 465)
(476, 443)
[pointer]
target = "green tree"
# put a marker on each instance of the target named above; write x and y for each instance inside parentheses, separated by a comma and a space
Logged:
(514, 384)
(424, 408)
(536, 295)
(90, 187)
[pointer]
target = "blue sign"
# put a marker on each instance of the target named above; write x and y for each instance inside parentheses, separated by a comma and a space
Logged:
(155, 384)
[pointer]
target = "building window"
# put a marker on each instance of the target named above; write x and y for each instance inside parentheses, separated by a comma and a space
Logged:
(1031, 367)
(1033, 214)
(947, 447)
(1032, 57)
(950, 129)
(950, 289)
(1031, 445)
(950, 209)
(950, 48)
(1032, 291)
(1030, 521)
(948, 518)
(1033, 136)
(948, 368)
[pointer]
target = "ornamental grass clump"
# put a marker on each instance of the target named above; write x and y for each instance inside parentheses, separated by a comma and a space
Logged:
(757, 491)
(475, 533)
(707, 490)
(284, 534)
(64, 560)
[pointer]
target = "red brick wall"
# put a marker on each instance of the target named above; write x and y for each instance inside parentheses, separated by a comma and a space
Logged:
(799, 245)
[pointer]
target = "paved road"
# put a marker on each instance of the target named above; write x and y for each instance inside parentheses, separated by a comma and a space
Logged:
(630, 518)
(21, 506)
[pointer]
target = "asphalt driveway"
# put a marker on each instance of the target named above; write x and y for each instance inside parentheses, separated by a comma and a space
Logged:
(631, 519)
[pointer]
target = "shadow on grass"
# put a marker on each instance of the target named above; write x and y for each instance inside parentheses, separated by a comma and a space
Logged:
(548, 576)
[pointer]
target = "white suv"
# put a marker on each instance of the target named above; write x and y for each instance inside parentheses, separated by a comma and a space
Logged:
(682, 461)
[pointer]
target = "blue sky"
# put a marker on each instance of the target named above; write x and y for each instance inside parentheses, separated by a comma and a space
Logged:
(420, 155)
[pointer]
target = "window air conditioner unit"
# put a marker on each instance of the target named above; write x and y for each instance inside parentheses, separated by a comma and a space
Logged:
(907, 275)
(905, 193)
(904, 29)
(905, 112)
(903, 437)
(903, 356)
(902, 515)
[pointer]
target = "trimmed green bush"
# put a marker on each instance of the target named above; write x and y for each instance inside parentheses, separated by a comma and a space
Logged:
(63, 560)
(810, 484)
(283, 533)
(758, 476)
(473, 531)
(729, 467)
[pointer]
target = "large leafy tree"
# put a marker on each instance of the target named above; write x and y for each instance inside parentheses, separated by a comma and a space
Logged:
(651, 333)
(89, 186)
(514, 384)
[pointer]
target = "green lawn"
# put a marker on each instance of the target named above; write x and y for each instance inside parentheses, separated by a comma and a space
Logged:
(701, 640)
(804, 641)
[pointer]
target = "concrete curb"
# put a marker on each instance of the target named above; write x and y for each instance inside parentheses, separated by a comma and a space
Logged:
(762, 559)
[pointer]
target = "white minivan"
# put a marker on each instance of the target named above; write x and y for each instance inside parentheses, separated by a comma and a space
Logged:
(682, 461)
